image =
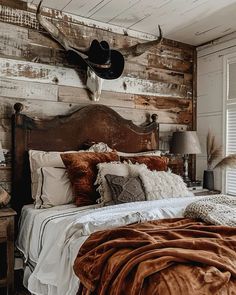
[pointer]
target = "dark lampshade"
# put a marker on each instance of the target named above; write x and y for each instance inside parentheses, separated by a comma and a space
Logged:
(185, 142)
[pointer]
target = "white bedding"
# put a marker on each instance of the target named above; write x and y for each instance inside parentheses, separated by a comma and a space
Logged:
(51, 238)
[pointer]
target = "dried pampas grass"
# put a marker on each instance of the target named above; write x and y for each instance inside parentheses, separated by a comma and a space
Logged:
(214, 151)
(227, 162)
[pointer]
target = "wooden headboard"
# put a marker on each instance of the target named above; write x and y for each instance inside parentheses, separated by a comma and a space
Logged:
(93, 123)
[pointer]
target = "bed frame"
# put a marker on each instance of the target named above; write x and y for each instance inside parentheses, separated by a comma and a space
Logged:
(92, 123)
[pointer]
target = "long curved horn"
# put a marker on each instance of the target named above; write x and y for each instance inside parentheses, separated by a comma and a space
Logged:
(55, 32)
(140, 48)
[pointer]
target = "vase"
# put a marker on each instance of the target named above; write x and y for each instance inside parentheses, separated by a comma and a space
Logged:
(208, 180)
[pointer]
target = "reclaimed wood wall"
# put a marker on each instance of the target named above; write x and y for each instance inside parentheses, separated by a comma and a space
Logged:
(35, 71)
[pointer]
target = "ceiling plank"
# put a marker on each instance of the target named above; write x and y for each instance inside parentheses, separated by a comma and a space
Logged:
(84, 7)
(208, 28)
(59, 5)
(136, 13)
(186, 15)
(112, 9)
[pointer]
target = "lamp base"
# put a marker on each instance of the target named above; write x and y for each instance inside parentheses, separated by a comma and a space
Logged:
(186, 179)
(185, 176)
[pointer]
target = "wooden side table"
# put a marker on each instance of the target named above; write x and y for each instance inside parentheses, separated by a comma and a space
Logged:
(205, 192)
(7, 216)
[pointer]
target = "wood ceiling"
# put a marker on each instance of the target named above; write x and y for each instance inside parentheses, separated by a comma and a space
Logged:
(190, 21)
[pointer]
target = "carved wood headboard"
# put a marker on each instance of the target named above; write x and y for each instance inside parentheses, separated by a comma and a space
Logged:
(93, 123)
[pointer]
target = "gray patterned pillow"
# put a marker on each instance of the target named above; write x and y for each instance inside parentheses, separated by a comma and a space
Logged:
(125, 189)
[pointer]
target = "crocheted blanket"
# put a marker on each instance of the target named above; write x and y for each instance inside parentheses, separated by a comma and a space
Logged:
(217, 209)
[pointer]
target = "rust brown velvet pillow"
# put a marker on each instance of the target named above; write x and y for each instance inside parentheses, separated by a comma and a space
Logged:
(153, 162)
(82, 172)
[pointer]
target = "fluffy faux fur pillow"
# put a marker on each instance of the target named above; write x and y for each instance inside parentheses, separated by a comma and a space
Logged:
(82, 171)
(154, 163)
(161, 184)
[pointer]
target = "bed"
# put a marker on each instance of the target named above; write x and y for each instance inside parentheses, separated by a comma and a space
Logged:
(50, 238)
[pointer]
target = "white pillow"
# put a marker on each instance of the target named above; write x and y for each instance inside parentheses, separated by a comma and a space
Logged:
(115, 168)
(54, 188)
(161, 184)
(40, 159)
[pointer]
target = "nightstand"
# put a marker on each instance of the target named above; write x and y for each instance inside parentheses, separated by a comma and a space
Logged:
(7, 216)
(205, 192)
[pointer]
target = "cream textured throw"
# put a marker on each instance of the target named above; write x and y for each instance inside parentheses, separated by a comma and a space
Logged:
(217, 209)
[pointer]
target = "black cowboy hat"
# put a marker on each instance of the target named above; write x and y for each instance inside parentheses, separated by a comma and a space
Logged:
(105, 62)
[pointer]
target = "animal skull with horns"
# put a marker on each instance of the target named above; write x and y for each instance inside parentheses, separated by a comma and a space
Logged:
(110, 68)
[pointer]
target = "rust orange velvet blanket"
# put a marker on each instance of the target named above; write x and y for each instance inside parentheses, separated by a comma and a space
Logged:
(166, 257)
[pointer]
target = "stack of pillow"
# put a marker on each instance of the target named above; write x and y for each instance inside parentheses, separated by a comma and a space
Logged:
(101, 175)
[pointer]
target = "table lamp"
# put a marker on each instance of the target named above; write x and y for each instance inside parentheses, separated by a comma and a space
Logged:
(185, 143)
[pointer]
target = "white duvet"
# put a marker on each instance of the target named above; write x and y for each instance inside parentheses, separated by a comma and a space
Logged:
(51, 238)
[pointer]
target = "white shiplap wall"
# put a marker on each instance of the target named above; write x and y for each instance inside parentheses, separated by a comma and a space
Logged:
(210, 95)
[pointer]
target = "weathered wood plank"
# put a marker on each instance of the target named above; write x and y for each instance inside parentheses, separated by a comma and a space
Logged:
(30, 90)
(42, 38)
(36, 72)
(35, 108)
(135, 70)
(147, 87)
(5, 130)
(15, 43)
(169, 63)
(154, 102)
(169, 110)
(176, 104)
(18, 17)
(5, 140)
(181, 109)
(168, 51)
(82, 95)
(13, 40)
(15, 4)
(6, 186)
(28, 71)
(5, 174)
